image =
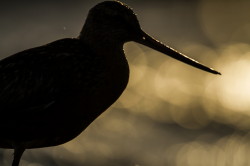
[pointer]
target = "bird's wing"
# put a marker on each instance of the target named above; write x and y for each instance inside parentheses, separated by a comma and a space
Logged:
(39, 76)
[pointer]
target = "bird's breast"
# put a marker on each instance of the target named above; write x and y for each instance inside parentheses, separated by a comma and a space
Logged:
(112, 82)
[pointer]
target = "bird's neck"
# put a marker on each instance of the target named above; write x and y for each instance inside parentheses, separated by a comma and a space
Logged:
(102, 46)
(100, 39)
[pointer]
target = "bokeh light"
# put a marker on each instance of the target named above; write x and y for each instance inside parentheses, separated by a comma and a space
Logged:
(232, 91)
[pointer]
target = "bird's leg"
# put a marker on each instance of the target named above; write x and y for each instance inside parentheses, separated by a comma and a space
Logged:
(17, 155)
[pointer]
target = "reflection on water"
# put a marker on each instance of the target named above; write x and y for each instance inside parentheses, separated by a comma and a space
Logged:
(170, 114)
(231, 150)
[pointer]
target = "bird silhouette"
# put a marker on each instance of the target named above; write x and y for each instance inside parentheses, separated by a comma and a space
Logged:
(50, 94)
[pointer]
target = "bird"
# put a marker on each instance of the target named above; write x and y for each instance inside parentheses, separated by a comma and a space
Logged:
(51, 93)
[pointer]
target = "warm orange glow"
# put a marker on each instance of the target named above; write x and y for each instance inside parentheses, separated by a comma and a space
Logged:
(232, 90)
(170, 114)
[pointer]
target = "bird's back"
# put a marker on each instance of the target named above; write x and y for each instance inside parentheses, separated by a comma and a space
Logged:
(51, 93)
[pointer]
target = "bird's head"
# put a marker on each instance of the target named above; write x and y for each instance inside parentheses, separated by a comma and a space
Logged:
(114, 23)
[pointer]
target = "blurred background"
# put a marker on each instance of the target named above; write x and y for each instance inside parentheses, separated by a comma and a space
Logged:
(171, 114)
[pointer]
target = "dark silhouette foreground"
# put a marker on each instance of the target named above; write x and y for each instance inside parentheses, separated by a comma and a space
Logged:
(51, 93)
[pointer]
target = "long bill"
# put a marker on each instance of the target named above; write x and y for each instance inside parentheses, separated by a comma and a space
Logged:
(157, 45)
